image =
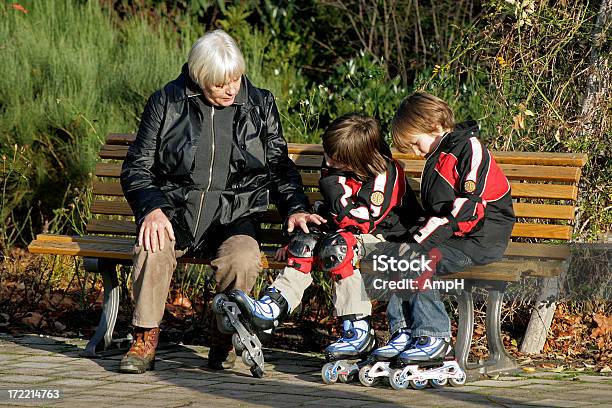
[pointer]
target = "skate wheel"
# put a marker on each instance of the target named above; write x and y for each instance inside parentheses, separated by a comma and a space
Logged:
(257, 372)
(237, 342)
(418, 384)
(247, 359)
(364, 376)
(328, 375)
(458, 381)
(217, 303)
(397, 380)
(435, 383)
(225, 325)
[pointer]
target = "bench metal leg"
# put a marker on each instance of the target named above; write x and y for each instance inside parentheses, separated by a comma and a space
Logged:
(105, 328)
(465, 303)
(500, 360)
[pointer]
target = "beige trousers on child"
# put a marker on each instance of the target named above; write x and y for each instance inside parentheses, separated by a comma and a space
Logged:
(350, 297)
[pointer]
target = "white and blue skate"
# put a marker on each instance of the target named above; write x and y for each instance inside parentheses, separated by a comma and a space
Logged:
(246, 317)
(346, 355)
(428, 361)
(379, 362)
(244, 339)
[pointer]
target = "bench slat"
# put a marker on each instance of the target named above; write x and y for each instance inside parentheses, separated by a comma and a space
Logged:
(548, 231)
(545, 191)
(513, 172)
(515, 249)
(118, 227)
(536, 158)
(111, 208)
(519, 190)
(121, 249)
(523, 210)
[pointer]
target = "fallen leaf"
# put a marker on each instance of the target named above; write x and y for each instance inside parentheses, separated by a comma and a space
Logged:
(558, 369)
(182, 301)
(606, 369)
(604, 325)
(529, 369)
(33, 319)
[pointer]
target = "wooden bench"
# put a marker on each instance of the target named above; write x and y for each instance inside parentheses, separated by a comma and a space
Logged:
(544, 188)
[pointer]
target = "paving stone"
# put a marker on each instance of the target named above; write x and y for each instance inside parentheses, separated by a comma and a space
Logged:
(5, 358)
(36, 365)
(191, 382)
(55, 358)
(589, 396)
(24, 380)
(501, 384)
(550, 402)
(596, 378)
(135, 388)
(90, 375)
(540, 374)
(77, 382)
(509, 378)
(33, 371)
(543, 387)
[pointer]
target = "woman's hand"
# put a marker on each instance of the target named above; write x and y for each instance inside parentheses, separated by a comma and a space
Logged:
(153, 231)
(301, 219)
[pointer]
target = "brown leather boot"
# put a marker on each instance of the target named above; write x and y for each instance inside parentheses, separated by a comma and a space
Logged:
(221, 355)
(141, 356)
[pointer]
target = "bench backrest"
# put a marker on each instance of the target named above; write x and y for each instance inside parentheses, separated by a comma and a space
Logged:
(544, 188)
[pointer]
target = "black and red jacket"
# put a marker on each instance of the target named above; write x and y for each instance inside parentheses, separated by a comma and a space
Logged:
(466, 197)
(382, 205)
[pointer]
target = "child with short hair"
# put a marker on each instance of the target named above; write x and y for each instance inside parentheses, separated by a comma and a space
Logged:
(365, 195)
(469, 218)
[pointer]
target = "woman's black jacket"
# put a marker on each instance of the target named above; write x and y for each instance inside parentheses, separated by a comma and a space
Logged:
(158, 171)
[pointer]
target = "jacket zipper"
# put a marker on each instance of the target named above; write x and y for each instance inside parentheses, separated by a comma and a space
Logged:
(210, 170)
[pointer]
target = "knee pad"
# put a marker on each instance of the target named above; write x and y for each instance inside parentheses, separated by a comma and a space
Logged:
(302, 250)
(336, 254)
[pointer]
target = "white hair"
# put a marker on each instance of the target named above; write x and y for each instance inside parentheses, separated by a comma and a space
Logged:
(215, 59)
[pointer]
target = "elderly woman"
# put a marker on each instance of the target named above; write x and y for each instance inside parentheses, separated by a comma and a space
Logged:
(208, 155)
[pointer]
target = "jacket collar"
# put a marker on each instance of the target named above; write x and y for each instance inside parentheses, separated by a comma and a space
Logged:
(184, 87)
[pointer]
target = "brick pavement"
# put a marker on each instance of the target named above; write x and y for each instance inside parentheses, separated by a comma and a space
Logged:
(292, 379)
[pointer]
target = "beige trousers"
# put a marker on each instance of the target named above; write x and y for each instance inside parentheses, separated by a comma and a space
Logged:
(350, 296)
(237, 265)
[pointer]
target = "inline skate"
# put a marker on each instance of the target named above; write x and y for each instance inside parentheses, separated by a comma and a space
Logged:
(346, 356)
(429, 360)
(380, 361)
(245, 317)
